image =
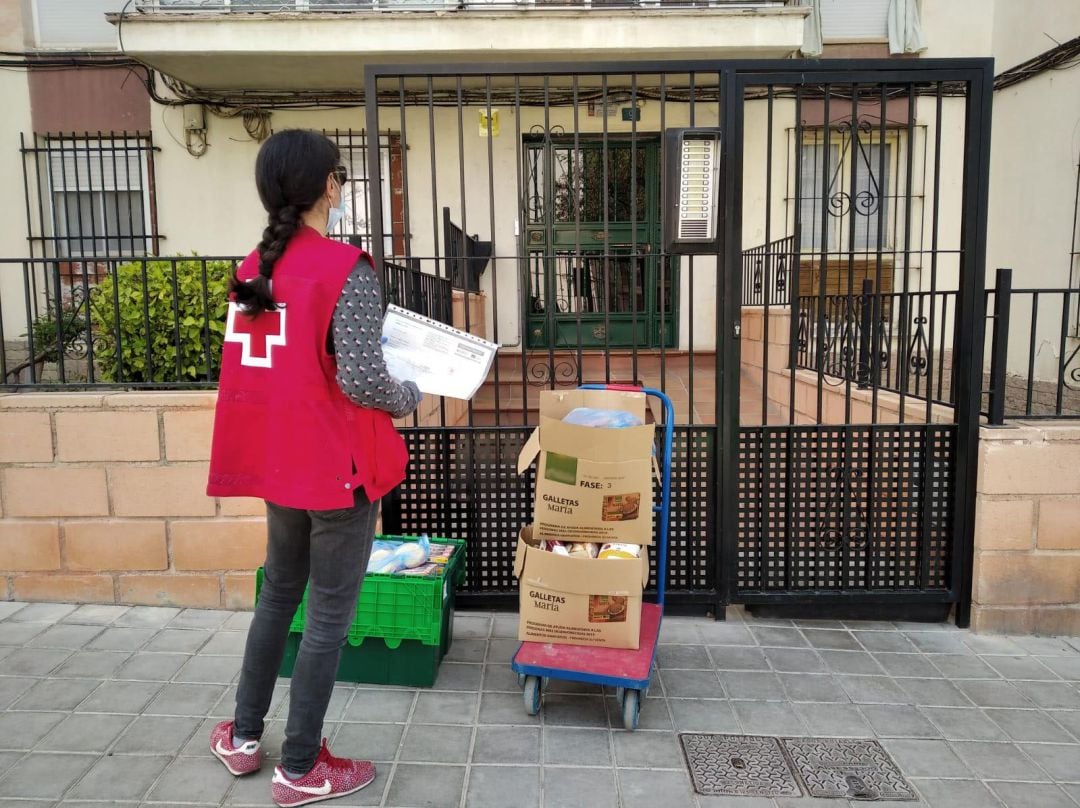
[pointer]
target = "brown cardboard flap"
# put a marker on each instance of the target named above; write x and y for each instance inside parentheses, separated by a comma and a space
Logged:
(529, 452)
(594, 443)
(557, 403)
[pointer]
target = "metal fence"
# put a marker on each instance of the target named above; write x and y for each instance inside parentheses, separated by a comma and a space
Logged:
(766, 271)
(141, 322)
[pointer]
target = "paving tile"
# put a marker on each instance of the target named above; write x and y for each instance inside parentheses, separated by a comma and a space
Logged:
(121, 638)
(436, 744)
(56, 694)
(581, 688)
(964, 724)
(913, 665)
(898, 721)
(692, 684)
(655, 789)
(85, 732)
(19, 634)
(683, 657)
(989, 693)
(938, 642)
(834, 720)
(92, 664)
(749, 802)
(505, 626)
(472, 626)
(446, 708)
(779, 637)
(1025, 795)
(9, 607)
(340, 699)
(240, 621)
(884, 641)
(200, 618)
(1051, 695)
(737, 658)
(794, 660)
(120, 777)
(458, 676)
(368, 741)
(44, 775)
(501, 650)
(653, 713)
(210, 670)
(379, 705)
(575, 788)
(576, 747)
(192, 780)
(147, 616)
(516, 745)
(185, 699)
(647, 749)
(42, 613)
(711, 715)
(1028, 725)
(118, 697)
(955, 793)
(1065, 667)
(158, 735)
(768, 718)
(752, 685)
(179, 640)
(96, 614)
(254, 789)
(998, 761)
(467, 650)
(956, 666)
(720, 632)
(681, 630)
(64, 636)
(152, 667)
(564, 710)
(32, 661)
(13, 687)
(833, 640)
(925, 758)
(853, 662)
(872, 690)
(24, 730)
(989, 644)
(9, 759)
(503, 787)
(1073, 790)
(1023, 667)
(1060, 761)
(504, 708)
(1070, 719)
(5, 650)
(429, 786)
(500, 678)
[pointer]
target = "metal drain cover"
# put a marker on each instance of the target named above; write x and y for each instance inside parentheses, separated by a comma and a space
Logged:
(738, 765)
(841, 767)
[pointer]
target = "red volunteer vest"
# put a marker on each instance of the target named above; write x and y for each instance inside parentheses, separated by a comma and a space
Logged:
(283, 430)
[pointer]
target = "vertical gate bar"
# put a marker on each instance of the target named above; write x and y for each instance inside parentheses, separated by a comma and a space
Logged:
(909, 171)
(664, 257)
(1032, 341)
(879, 298)
(46, 246)
(27, 272)
(520, 155)
(374, 169)
(549, 259)
(439, 265)
(633, 236)
(464, 258)
(768, 259)
(856, 154)
(137, 149)
(938, 107)
(690, 284)
(941, 348)
(151, 195)
(116, 199)
(26, 191)
(795, 300)
(727, 428)
(494, 252)
(925, 494)
(820, 334)
(971, 325)
(577, 165)
(607, 233)
(1063, 357)
(208, 353)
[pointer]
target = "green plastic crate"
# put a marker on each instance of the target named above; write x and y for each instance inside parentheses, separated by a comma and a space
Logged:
(403, 626)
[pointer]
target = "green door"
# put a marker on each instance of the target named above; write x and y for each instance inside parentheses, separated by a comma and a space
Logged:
(593, 282)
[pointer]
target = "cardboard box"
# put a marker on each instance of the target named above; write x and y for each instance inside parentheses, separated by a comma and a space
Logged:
(592, 484)
(579, 601)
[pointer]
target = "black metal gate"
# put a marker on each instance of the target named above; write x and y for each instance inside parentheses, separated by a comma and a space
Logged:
(826, 439)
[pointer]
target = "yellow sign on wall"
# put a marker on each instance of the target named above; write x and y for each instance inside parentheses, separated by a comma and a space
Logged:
(491, 126)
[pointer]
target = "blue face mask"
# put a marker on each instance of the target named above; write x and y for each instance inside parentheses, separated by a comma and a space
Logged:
(336, 214)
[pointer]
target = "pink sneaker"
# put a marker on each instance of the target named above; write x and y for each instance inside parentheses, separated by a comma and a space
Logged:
(330, 777)
(239, 760)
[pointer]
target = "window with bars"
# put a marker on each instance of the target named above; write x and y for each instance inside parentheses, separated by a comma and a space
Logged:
(92, 196)
(356, 224)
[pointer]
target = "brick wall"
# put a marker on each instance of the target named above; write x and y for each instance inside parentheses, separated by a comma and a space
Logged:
(1027, 530)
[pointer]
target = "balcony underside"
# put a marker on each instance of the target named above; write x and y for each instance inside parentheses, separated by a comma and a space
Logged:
(309, 51)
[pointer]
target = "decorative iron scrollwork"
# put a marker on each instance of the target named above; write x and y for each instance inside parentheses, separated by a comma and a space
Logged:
(841, 502)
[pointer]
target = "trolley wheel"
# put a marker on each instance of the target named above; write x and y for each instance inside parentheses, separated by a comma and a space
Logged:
(532, 695)
(631, 709)
(521, 680)
(620, 694)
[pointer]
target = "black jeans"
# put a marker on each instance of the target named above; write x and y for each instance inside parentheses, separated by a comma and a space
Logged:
(330, 549)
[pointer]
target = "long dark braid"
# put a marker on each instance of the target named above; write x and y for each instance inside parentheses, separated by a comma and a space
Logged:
(290, 173)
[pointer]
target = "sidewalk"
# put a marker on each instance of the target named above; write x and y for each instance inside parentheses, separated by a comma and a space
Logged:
(114, 705)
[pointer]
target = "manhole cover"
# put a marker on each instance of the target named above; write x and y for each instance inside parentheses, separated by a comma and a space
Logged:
(738, 765)
(839, 767)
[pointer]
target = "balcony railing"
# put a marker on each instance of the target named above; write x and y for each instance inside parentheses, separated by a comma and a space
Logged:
(321, 6)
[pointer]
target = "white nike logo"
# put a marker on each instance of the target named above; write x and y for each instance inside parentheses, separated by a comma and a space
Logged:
(245, 749)
(321, 791)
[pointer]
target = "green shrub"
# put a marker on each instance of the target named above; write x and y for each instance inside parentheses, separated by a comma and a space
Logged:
(146, 311)
(47, 330)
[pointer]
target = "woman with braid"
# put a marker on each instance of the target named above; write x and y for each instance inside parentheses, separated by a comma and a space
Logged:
(303, 422)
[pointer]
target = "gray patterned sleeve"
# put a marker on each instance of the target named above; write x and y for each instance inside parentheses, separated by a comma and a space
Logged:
(357, 331)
